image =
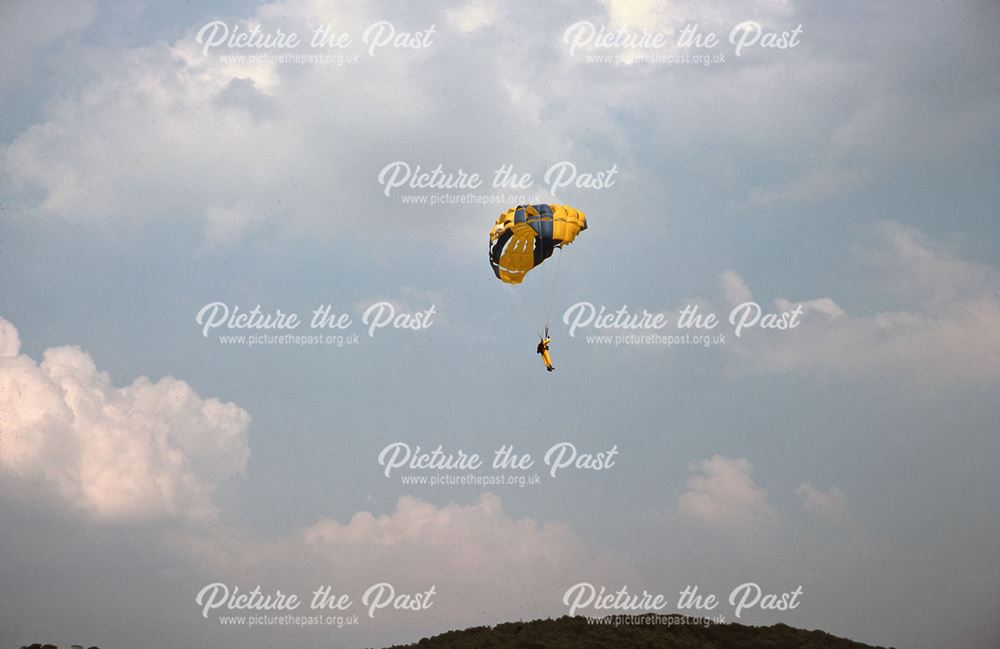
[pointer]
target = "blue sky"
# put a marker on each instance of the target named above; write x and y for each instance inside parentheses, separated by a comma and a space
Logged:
(144, 178)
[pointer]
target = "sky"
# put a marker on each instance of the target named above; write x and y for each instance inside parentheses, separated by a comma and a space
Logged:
(147, 173)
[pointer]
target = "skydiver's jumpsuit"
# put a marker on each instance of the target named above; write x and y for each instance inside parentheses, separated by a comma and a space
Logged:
(543, 349)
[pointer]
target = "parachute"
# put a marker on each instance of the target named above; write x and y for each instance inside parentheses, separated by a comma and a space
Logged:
(525, 236)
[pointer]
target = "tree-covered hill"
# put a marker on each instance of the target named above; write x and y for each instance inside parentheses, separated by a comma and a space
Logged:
(639, 632)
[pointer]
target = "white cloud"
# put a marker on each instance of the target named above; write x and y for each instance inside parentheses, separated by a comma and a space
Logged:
(668, 15)
(27, 27)
(473, 16)
(925, 271)
(638, 15)
(485, 564)
(233, 148)
(946, 333)
(830, 505)
(460, 544)
(824, 306)
(734, 288)
(722, 492)
(154, 452)
(10, 340)
(148, 450)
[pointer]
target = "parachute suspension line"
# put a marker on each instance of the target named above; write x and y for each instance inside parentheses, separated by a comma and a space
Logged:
(552, 283)
(512, 254)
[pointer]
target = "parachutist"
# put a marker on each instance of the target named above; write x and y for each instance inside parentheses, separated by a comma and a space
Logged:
(524, 237)
(543, 349)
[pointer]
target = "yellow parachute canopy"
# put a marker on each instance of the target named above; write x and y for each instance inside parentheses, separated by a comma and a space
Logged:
(525, 236)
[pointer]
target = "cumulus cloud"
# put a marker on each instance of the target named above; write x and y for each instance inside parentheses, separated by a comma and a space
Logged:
(485, 564)
(480, 538)
(734, 289)
(829, 505)
(10, 340)
(157, 451)
(150, 449)
(649, 15)
(473, 16)
(27, 27)
(946, 330)
(232, 148)
(668, 15)
(722, 492)
(472, 552)
(824, 306)
(925, 271)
